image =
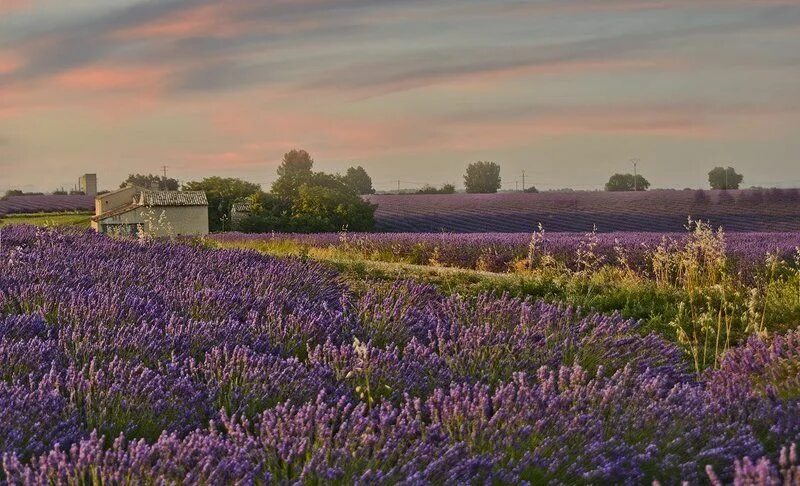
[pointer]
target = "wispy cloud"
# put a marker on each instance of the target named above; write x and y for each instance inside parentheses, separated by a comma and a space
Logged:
(212, 45)
(243, 80)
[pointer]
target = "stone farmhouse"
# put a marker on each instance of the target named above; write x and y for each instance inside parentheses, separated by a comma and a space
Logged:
(131, 210)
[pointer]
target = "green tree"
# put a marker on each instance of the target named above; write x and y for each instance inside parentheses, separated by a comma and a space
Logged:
(306, 201)
(447, 189)
(627, 182)
(221, 194)
(294, 171)
(428, 189)
(320, 208)
(724, 178)
(482, 177)
(268, 213)
(148, 181)
(358, 180)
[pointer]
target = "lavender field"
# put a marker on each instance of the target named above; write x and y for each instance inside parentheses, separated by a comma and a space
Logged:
(747, 210)
(499, 252)
(47, 203)
(131, 362)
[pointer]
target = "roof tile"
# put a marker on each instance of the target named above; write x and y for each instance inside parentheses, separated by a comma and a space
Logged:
(173, 198)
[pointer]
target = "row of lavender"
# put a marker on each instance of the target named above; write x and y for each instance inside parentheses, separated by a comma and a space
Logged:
(45, 203)
(130, 362)
(656, 211)
(499, 251)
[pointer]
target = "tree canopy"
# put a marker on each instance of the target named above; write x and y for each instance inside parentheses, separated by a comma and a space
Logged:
(724, 178)
(627, 182)
(147, 181)
(445, 189)
(482, 177)
(294, 171)
(267, 213)
(306, 201)
(222, 193)
(16, 192)
(319, 208)
(357, 179)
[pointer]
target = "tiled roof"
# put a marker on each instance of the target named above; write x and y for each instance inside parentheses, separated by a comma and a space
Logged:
(173, 198)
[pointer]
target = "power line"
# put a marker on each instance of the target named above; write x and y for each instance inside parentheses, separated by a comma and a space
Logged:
(635, 162)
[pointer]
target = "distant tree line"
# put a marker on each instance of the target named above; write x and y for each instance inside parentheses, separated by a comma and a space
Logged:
(445, 189)
(722, 178)
(16, 192)
(300, 200)
(150, 181)
(303, 200)
(484, 177)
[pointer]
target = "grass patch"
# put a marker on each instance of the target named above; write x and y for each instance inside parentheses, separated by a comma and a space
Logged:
(71, 219)
(691, 299)
(633, 298)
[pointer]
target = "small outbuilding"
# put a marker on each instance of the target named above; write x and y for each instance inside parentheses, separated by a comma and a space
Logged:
(132, 210)
(240, 211)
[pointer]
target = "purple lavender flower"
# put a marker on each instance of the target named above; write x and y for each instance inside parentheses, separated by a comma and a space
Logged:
(163, 363)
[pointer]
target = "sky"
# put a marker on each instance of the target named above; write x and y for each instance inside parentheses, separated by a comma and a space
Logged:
(568, 91)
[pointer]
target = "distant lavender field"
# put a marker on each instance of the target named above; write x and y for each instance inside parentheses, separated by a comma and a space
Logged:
(45, 203)
(497, 251)
(651, 211)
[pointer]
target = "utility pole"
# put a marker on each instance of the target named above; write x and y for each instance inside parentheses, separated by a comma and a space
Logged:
(164, 168)
(516, 186)
(523, 181)
(635, 163)
(398, 187)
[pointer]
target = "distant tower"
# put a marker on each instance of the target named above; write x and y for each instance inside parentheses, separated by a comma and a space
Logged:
(88, 184)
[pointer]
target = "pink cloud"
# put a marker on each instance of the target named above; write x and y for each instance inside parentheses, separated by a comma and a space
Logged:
(219, 19)
(140, 78)
(20, 100)
(256, 136)
(9, 62)
(490, 78)
(205, 19)
(564, 7)
(497, 134)
(12, 5)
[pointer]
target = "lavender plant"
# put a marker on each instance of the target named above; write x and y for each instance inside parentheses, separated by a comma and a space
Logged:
(160, 362)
